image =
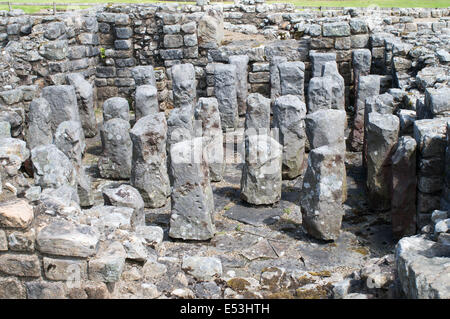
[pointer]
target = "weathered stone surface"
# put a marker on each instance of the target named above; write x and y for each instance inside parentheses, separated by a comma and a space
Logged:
(292, 78)
(108, 264)
(45, 290)
(192, 199)
(318, 61)
(336, 29)
(445, 200)
(261, 175)
(382, 136)
(361, 62)
(257, 117)
(12, 288)
(367, 86)
(289, 113)
(13, 153)
(183, 84)
(210, 30)
(126, 196)
(151, 235)
(407, 118)
(322, 193)
(330, 69)
(20, 265)
(5, 129)
(67, 239)
(51, 167)
(115, 161)
(423, 268)
(202, 268)
(326, 127)
(143, 75)
(116, 107)
(3, 241)
(108, 219)
(69, 138)
(149, 168)
(63, 200)
(320, 93)
(85, 98)
(146, 101)
(241, 63)
(15, 121)
(22, 240)
(275, 83)
(226, 94)
(39, 125)
(64, 269)
(63, 104)
(403, 202)
(207, 111)
(180, 125)
(436, 100)
(430, 136)
(16, 214)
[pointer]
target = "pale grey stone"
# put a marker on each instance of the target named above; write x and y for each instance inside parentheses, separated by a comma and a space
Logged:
(116, 107)
(149, 169)
(289, 113)
(146, 101)
(115, 161)
(261, 175)
(192, 199)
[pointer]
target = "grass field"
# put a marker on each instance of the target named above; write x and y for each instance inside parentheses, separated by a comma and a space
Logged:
(315, 3)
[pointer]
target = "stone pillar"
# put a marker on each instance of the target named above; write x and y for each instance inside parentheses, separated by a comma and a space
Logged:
(318, 61)
(192, 197)
(383, 104)
(149, 162)
(63, 104)
(85, 98)
(430, 135)
(275, 83)
(361, 62)
(289, 113)
(116, 107)
(115, 161)
(257, 117)
(320, 93)
(261, 175)
(180, 125)
(330, 69)
(321, 195)
(225, 91)
(143, 75)
(367, 86)
(39, 125)
(207, 112)
(241, 63)
(146, 101)
(404, 183)
(69, 138)
(51, 167)
(382, 136)
(183, 85)
(326, 127)
(292, 79)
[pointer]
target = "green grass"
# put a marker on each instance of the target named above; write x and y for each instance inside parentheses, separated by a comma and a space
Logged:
(313, 3)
